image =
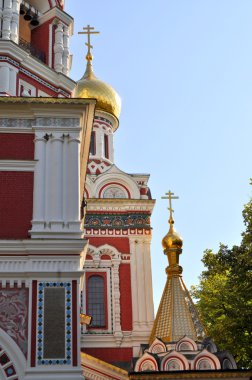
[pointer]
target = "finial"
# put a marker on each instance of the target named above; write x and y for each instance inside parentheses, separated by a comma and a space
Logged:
(89, 30)
(170, 196)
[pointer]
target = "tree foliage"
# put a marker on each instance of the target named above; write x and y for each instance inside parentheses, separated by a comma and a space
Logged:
(224, 295)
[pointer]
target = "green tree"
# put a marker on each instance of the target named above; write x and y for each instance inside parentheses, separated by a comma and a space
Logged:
(224, 295)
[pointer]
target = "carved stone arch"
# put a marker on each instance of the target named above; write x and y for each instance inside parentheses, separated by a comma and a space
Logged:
(13, 360)
(157, 346)
(146, 363)
(174, 361)
(186, 344)
(205, 360)
(121, 179)
(104, 249)
(89, 188)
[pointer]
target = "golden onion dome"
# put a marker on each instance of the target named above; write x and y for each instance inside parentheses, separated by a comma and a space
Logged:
(89, 87)
(172, 239)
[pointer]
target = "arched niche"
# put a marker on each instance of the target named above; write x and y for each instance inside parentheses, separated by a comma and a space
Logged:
(12, 360)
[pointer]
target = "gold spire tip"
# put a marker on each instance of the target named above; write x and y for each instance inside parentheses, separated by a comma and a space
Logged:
(170, 196)
(89, 30)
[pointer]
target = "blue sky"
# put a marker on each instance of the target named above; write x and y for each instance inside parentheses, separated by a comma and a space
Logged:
(183, 69)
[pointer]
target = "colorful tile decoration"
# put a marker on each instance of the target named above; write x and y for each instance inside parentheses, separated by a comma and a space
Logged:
(68, 323)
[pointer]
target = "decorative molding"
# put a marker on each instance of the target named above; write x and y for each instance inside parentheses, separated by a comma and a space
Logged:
(42, 100)
(16, 123)
(51, 247)
(17, 165)
(120, 205)
(102, 119)
(43, 264)
(118, 220)
(57, 122)
(116, 232)
(113, 277)
(57, 13)
(95, 369)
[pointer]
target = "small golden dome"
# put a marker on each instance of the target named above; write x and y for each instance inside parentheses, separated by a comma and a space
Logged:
(89, 87)
(172, 239)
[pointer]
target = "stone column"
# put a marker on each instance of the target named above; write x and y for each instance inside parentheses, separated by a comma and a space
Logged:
(65, 180)
(58, 48)
(66, 50)
(133, 269)
(74, 182)
(140, 281)
(15, 20)
(99, 141)
(56, 181)
(39, 183)
(111, 147)
(4, 78)
(13, 81)
(6, 23)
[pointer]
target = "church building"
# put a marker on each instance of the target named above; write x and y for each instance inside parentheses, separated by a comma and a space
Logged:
(75, 270)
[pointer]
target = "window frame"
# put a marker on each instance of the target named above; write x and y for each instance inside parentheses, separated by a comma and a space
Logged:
(92, 149)
(102, 275)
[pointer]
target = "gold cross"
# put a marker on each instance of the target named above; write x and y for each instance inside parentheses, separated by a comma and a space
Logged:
(170, 196)
(89, 30)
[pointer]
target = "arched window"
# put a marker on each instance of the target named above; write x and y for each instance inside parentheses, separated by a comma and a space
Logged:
(92, 149)
(96, 301)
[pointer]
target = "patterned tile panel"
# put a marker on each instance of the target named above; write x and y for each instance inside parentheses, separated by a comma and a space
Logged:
(67, 360)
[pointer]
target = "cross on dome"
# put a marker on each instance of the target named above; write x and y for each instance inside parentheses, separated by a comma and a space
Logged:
(170, 196)
(89, 30)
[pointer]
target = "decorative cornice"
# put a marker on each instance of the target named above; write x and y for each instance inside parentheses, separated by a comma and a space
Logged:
(42, 100)
(100, 370)
(92, 232)
(120, 204)
(17, 165)
(58, 14)
(41, 246)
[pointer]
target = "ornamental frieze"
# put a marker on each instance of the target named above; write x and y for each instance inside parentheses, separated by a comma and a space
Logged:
(117, 221)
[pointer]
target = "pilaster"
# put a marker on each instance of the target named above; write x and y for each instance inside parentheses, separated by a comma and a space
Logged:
(116, 301)
(58, 48)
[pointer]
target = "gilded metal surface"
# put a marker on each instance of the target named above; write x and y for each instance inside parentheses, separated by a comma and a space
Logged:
(87, 357)
(170, 196)
(42, 100)
(172, 239)
(90, 87)
(89, 30)
(177, 315)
